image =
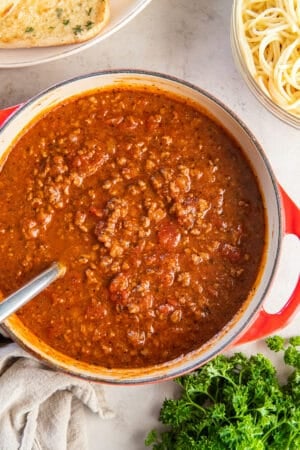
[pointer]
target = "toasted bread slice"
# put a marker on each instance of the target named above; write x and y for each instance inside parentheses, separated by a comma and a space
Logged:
(43, 23)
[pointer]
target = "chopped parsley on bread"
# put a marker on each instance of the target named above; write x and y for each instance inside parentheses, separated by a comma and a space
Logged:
(43, 23)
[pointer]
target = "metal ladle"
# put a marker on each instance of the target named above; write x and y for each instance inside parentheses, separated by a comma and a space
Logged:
(30, 290)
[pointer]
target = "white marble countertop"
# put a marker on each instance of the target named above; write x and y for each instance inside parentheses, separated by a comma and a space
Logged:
(190, 40)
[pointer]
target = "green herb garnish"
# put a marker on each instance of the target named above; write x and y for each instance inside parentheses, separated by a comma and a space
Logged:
(59, 12)
(89, 25)
(66, 22)
(235, 403)
(275, 343)
(29, 30)
(89, 11)
(77, 30)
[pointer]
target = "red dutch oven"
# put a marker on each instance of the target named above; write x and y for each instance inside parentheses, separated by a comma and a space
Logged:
(282, 216)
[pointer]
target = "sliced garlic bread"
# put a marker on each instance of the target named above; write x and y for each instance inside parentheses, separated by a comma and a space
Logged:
(42, 23)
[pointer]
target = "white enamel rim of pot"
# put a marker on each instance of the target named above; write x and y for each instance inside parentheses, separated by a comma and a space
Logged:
(268, 186)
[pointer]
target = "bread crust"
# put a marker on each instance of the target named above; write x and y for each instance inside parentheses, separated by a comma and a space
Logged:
(7, 6)
(44, 23)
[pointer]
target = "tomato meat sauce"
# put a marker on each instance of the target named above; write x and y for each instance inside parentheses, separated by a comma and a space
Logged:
(156, 214)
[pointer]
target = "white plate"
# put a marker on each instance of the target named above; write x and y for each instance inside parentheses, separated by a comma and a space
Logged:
(121, 12)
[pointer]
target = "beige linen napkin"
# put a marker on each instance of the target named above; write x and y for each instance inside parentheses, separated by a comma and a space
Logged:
(41, 409)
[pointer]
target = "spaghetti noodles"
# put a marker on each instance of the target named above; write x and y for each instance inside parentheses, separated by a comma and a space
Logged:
(269, 36)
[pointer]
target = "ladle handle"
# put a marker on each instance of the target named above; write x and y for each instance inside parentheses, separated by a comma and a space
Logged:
(30, 290)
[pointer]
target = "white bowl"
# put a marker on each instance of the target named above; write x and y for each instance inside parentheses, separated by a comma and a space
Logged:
(121, 13)
(241, 65)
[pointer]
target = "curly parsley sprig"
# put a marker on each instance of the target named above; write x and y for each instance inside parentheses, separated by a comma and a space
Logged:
(235, 403)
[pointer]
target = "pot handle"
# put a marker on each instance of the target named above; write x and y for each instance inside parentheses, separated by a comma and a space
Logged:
(5, 113)
(266, 324)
